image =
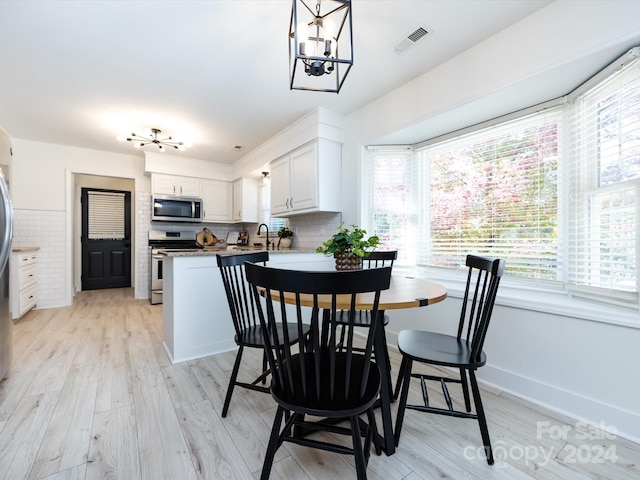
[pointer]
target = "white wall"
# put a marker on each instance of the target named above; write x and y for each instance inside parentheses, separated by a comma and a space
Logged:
(577, 366)
(44, 205)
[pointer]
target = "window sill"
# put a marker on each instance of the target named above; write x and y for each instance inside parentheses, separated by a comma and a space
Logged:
(544, 301)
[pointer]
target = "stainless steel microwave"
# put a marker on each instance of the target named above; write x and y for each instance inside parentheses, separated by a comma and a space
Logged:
(174, 208)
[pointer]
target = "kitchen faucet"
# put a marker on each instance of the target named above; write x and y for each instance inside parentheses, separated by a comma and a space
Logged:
(260, 229)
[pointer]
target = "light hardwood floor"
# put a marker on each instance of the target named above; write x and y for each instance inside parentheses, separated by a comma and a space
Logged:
(91, 394)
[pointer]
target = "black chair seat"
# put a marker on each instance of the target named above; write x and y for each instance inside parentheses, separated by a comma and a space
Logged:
(337, 404)
(437, 349)
(252, 336)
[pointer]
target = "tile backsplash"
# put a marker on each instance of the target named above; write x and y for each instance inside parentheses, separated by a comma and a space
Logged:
(309, 231)
(46, 230)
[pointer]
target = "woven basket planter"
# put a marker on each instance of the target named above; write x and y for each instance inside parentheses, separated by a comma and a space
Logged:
(348, 261)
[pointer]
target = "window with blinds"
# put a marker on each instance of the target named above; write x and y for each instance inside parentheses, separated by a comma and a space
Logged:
(494, 193)
(394, 200)
(604, 187)
(274, 223)
(106, 215)
(555, 192)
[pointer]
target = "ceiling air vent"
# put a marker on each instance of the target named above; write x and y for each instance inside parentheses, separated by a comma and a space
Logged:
(407, 42)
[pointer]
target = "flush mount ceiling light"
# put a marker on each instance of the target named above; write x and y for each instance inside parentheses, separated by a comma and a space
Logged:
(320, 45)
(152, 139)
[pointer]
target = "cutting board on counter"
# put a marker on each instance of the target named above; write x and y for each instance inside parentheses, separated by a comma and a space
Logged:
(206, 238)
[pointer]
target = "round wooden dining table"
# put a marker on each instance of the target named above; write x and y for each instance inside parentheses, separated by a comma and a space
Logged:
(403, 292)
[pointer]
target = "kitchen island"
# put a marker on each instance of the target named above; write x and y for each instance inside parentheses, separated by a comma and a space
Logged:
(195, 313)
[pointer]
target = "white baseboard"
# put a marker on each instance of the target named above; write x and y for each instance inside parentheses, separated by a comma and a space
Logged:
(52, 303)
(583, 409)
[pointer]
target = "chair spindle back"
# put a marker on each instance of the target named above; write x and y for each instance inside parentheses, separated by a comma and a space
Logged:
(239, 295)
(479, 298)
(314, 373)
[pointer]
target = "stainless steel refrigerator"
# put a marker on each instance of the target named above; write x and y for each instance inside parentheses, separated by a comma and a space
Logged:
(6, 223)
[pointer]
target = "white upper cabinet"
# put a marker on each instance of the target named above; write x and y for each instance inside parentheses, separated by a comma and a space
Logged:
(280, 188)
(175, 185)
(245, 200)
(307, 179)
(217, 200)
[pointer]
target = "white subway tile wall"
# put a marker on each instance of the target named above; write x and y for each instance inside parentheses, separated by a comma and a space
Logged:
(143, 219)
(44, 229)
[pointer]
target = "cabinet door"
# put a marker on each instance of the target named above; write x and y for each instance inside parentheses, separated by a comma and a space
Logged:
(217, 197)
(237, 200)
(245, 200)
(187, 186)
(164, 184)
(280, 193)
(304, 173)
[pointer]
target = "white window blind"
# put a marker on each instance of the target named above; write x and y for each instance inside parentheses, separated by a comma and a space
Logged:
(394, 204)
(274, 223)
(604, 187)
(106, 215)
(494, 192)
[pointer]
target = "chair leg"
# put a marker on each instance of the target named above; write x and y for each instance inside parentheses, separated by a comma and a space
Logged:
(484, 430)
(361, 464)
(465, 389)
(232, 382)
(274, 439)
(406, 380)
(264, 365)
(403, 365)
(374, 431)
(388, 360)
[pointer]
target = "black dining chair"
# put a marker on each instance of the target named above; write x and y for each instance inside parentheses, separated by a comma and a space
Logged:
(245, 319)
(375, 259)
(315, 378)
(462, 351)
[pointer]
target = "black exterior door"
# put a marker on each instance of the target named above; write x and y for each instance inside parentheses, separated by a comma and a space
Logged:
(106, 239)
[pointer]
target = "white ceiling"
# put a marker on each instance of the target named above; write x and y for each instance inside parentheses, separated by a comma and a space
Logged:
(214, 72)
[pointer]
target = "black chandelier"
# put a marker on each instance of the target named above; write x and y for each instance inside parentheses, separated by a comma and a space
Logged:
(152, 139)
(320, 44)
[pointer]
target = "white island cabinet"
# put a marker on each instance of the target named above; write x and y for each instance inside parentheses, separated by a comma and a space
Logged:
(195, 313)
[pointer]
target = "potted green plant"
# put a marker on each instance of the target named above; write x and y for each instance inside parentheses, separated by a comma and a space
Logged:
(348, 246)
(285, 237)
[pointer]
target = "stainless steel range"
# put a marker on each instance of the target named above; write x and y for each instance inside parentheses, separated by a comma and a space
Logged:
(158, 240)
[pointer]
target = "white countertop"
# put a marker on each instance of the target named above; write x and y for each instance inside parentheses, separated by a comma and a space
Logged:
(24, 249)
